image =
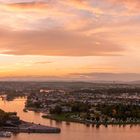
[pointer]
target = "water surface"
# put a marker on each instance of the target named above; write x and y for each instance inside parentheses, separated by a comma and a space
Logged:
(74, 131)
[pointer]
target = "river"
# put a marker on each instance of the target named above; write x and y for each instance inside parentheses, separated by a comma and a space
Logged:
(73, 131)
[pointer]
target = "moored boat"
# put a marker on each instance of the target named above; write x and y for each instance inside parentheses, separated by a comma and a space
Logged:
(5, 134)
(25, 110)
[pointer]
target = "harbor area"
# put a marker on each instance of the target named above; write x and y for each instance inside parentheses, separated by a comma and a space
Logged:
(27, 127)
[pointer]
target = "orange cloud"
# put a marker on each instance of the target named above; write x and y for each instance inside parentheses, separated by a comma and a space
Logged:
(29, 5)
(55, 42)
(131, 5)
(77, 32)
(85, 5)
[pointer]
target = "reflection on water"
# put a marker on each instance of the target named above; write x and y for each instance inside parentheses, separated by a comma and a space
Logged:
(70, 131)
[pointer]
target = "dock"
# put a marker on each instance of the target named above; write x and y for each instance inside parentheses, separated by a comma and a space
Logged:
(27, 127)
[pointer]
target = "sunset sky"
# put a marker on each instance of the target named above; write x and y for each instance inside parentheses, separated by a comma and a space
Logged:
(70, 39)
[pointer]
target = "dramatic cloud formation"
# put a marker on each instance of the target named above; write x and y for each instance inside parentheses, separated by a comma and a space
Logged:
(54, 42)
(47, 28)
(109, 29)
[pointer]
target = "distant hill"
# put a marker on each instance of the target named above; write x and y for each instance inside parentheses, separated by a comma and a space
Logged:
(135, 82)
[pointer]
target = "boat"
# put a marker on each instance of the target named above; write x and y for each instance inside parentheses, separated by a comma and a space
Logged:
(67, 123)
(5, 134)
(25, 110)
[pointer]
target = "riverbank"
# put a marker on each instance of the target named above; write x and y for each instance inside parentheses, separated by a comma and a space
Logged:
(63, 117)
(27, 127)
(69, 131)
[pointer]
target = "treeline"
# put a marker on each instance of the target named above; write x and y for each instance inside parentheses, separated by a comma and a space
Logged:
(120, 111)
(76, 107)
(4, 116)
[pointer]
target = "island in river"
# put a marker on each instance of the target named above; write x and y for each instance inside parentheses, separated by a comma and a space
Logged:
(9, 121)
